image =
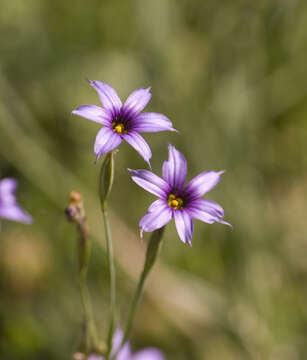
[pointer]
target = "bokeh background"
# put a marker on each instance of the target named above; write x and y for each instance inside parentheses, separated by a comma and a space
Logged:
(232, 77)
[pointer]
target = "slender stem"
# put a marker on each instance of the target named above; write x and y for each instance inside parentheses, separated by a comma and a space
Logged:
(110, 264)
(75, 213)
(151, 255)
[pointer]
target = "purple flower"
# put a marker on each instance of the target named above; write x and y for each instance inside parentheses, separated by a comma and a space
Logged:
(183, 202)
(122, 122)
(9, 209)
(125, 352)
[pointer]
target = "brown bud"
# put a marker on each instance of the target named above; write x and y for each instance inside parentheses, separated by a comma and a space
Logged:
(75, 198)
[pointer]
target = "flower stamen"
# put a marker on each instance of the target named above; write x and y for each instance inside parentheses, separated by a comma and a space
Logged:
(119, 128)
(174, 202)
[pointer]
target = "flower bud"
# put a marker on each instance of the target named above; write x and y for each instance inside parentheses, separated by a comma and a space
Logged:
(106, 176)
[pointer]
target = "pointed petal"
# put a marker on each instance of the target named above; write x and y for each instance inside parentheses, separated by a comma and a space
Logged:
(116, 341)
(209, 206)
(184, 225)
(94, 113)
(125, 352)
(136, 102)
(207, 211)
(175, 169)
(203, 183)
(139, 144)
(108, 96)
(150, 182)
(155, 205)
(7, 189)
(157, 218)
(148, 354)
(152, 122)
(106, 140)
(16, 213)
(9, 209)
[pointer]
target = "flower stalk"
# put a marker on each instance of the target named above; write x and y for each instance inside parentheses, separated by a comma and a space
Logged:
(105, 185)
(151, 256)
(75, 213)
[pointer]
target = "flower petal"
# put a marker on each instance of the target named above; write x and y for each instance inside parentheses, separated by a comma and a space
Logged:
(155, 205)
(116, 341)
(16, 213)
(9, 209)
(137, 101)
(148, 354)
(7, 189)
(203, 183)
(150, 182)
(175, 169)
(139, 144)
(151, 122)
(184, 225)
(157, 218)
(125, 351)
(94, 113)
(207, 211)
(108, 96)
(106, 140)
(95, 357)
(209, 206)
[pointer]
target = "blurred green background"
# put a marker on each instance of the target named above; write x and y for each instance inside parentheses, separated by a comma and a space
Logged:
(232, 77)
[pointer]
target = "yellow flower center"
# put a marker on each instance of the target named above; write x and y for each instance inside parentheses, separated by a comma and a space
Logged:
(174, 202)
(119, 128)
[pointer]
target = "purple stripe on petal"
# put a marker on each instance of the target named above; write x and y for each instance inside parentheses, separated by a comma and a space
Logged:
(15, 212)
(148, 354)
(94, 113)
(150, 182)
(106, 140)
(151, 122)
(209, 206)
(108, 96)
(139, 144)
(184, 225)
(156, 219)
(207, 211)
(175, 169)
(137, 101)
(203, 183)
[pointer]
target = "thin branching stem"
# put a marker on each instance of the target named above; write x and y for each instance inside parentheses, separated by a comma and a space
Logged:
(151, 255)
(111, 267)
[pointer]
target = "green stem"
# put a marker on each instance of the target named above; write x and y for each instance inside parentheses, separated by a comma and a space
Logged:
(151, 255)
(75, 213)
(110, 264)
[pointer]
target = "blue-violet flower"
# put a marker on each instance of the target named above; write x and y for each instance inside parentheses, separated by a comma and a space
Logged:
(123, 121)
(9, 209)
(176, 200)
(125, 352)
